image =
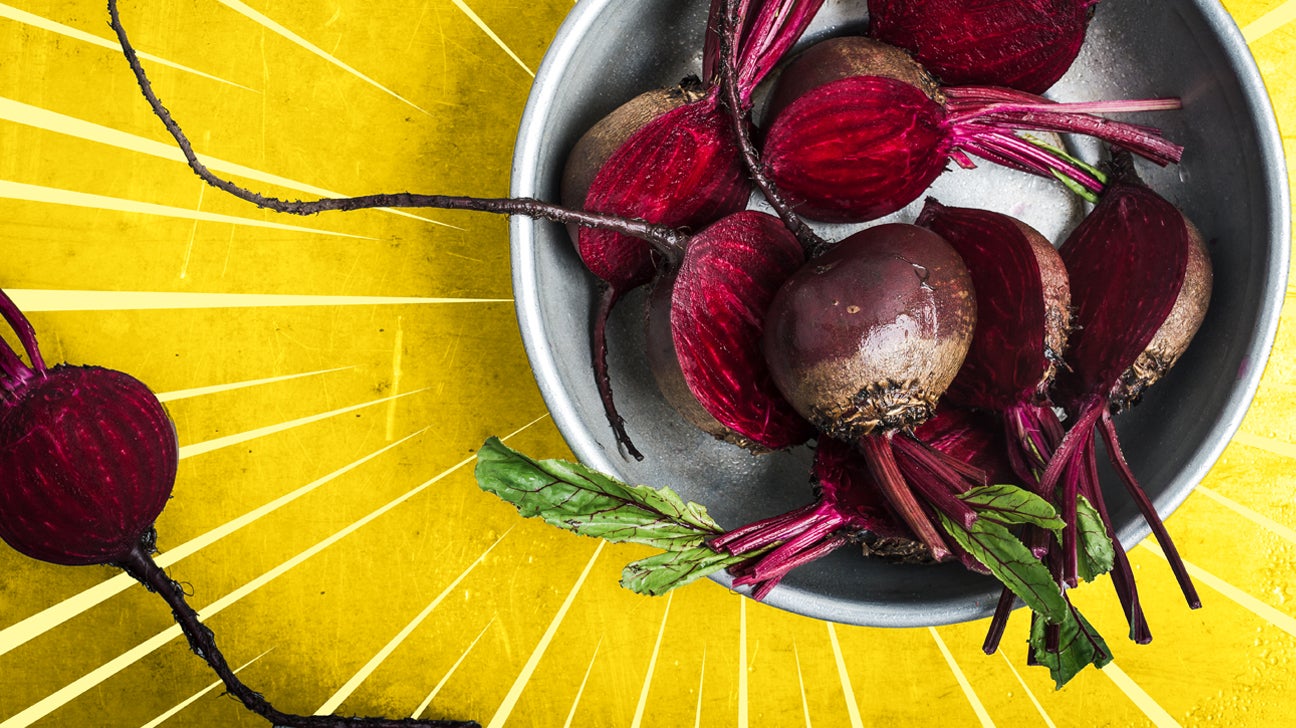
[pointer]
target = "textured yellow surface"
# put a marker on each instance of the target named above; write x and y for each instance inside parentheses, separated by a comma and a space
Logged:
(330, 378)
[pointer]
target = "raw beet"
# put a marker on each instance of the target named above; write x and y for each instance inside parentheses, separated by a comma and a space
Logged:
(1022, 44)
(704, 328)
(1141, 281)
(88, 459)
(856, 129)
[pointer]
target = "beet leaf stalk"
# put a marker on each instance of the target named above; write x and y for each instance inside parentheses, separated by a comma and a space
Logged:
(88, 460)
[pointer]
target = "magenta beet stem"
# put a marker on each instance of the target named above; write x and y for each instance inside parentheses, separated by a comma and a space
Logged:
(881, 459)
(1122, 573)
(10, 363)
(140, 565)
(1117, 457)
(971, 110)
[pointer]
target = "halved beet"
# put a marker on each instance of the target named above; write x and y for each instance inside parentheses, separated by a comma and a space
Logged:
(1021, 44)
(1141, 281)
(704, 328)
(856, 129)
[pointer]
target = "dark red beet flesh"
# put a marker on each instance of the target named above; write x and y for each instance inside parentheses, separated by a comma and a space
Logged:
(1021, 44)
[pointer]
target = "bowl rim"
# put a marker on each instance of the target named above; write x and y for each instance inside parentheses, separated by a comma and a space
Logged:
(580, 438)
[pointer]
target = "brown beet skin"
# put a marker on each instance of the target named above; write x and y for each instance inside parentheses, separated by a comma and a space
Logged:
(866, 337)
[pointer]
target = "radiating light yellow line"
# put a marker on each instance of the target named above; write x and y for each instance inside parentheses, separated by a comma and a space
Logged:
(193, 698)
(1158, 715)
(1281, 620)
(1277, 447)
(331, 705)
(449, 673)
(637, 721)
(177, 394)
(271, 25)
(1029, 693)
(852, 708)
(193, 235)
(52, 121)
(50, 300)
(398, 350)
(515, 691)
(963, 682)
(24, 192)
(491, 34)
(742, 663)
(1270, 21)
(571, 714)
(206, 446)
(37, 21)
(43, 621)
(1253, 516)
(61, 697)
(805, 701)
(697, 710)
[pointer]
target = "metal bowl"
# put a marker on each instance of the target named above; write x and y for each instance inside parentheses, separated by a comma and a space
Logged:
(1232, 183)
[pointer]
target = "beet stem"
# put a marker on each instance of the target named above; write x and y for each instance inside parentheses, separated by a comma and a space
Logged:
(999, 622)
(139, 564)
(936, 482)
(1117, 457)
(17, 321)
(738, 117)
(767, 531)
(608, 297)
(1122, 573)
(882, 463)
(668, 241)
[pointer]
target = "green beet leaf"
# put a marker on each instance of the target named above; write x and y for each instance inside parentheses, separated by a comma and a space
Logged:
(1079, 645)
(578, 499)
(1010, 505)
(663, 572)
(1096, 554)
(1012, 563)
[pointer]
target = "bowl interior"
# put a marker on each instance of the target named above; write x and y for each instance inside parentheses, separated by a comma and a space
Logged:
(1231, 183)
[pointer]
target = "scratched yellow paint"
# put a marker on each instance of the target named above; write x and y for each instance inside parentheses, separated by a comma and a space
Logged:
(335, 504)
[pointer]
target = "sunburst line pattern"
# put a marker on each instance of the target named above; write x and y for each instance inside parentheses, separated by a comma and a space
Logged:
(53, 121)
(642, 705)
(697, 710)
(179, 394)
(206, 446)
(524, 676)
(331, 705)
(22, 191)
(1277, 618)
(742, 663)
(977, 707)
(492, 35)
(848, 692)
(1159, 716)
(580, 689)
(269, 24)
(805, 700)
(427, 702)
(48, 300)
(194, 698)
(64, 695)
(1029, 693)
(36, 21)
(1275, 446)
(38, 624)
(1251, 515)
(1270, 21)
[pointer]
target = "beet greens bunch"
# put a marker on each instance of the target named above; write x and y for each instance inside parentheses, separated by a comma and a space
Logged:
(952, 373)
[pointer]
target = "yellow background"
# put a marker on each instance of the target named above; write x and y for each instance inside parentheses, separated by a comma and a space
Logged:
(330, 378)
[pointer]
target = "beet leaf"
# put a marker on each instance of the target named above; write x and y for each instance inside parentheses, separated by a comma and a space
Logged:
(1078, 646)
(1012, 563)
